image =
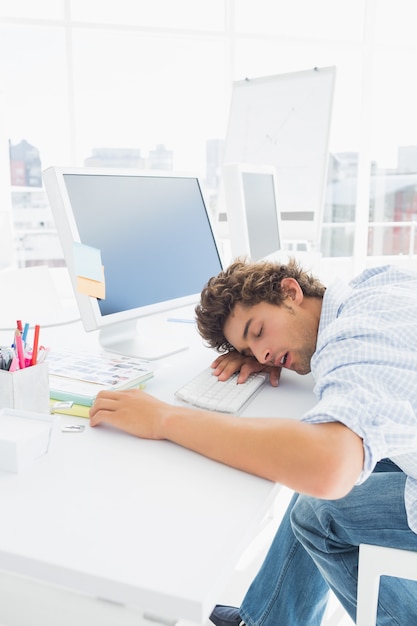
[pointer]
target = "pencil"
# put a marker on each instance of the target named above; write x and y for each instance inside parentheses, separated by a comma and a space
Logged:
(35, 345)
(19, 348)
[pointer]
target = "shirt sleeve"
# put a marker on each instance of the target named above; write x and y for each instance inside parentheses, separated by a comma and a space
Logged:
(357, 395)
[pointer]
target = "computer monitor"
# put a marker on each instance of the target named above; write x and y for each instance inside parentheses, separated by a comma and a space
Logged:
(156, 243)
(251, 198)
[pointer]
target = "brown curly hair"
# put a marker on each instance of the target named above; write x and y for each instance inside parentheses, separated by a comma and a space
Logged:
(248, 283)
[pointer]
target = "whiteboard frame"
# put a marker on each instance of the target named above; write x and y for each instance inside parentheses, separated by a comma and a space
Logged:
(284, 121)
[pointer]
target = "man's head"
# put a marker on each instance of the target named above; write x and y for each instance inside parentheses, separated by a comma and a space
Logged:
(223, 318)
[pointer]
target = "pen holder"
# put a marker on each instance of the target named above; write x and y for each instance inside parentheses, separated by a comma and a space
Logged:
(26, 389)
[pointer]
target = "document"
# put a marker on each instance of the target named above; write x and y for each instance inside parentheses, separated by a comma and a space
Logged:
(79, 376)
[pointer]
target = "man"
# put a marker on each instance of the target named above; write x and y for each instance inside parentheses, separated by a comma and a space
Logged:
(351, 460)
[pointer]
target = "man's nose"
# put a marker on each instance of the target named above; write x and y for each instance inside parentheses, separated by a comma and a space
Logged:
(263, 355)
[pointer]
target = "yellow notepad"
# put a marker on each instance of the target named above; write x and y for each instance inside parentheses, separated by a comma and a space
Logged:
(69, 408)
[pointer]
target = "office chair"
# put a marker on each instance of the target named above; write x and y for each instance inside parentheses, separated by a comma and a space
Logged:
(374, 562)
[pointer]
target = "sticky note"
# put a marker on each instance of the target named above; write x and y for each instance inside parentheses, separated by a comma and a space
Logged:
(93, 288)
(87, 262)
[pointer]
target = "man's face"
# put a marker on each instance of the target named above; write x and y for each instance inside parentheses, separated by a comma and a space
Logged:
(282, 336)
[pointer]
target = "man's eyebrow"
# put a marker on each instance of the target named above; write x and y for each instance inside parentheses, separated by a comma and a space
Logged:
(246, 329)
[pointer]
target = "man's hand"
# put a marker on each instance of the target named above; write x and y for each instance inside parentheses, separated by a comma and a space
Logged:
(227, 364)
(131, 410)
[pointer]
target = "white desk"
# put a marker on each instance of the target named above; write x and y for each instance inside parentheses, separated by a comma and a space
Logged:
(143, 524)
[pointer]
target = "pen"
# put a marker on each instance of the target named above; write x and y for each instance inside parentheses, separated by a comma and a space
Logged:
(35, 345)
(25, 333)
(19, 348)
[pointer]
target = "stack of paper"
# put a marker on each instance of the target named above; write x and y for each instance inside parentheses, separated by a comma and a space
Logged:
(78, 377)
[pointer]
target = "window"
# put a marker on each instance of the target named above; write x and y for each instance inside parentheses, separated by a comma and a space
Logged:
(144, 84)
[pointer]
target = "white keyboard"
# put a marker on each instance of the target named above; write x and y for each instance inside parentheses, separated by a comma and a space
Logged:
(206, 392)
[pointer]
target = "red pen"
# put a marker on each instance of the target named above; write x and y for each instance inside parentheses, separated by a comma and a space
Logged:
(35, 345)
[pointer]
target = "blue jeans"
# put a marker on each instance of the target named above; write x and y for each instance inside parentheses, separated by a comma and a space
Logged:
(316, 548)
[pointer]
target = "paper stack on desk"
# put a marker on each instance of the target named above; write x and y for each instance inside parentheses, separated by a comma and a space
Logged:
(79, 377)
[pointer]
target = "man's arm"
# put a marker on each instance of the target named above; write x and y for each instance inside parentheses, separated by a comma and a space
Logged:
(322, 460)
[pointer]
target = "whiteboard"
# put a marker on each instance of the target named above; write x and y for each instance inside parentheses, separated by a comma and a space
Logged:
(284, 121)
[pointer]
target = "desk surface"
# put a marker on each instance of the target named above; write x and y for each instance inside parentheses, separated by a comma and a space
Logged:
(144, 523)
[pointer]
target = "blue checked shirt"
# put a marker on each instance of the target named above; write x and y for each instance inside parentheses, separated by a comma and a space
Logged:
(365, 368)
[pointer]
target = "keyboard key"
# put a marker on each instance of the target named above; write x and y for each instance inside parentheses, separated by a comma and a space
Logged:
(207, 392)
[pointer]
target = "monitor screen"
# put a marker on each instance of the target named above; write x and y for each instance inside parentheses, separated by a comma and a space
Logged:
(156, 243)
(252, 210)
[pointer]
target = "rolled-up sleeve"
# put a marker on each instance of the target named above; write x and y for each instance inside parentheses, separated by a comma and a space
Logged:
(365, 369)
(387, 427)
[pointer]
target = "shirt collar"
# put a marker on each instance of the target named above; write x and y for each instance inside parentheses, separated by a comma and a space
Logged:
(333, 301)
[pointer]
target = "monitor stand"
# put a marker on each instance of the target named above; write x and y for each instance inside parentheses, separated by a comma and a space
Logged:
(149, 345)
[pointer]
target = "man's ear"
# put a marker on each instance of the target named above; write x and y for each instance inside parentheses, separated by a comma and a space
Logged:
(292, 290)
